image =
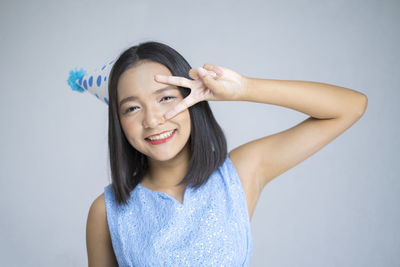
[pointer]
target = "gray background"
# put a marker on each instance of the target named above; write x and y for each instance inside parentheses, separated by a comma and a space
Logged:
(340, 207)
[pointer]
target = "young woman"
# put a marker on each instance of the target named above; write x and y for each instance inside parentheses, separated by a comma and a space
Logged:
(177, 197)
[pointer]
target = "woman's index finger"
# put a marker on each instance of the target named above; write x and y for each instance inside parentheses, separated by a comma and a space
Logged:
(181, 106)
(173, 80)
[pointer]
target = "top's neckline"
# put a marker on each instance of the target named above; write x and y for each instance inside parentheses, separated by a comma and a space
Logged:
(184, 200)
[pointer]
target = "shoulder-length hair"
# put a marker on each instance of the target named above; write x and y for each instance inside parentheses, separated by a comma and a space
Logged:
(208, 147)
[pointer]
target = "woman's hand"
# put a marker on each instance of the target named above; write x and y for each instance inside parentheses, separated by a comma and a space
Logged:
(209, 83)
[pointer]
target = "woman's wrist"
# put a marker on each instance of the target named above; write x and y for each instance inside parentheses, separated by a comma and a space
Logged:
(248, 84)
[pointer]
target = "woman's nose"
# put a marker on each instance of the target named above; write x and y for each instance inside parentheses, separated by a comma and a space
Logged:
(152, 118)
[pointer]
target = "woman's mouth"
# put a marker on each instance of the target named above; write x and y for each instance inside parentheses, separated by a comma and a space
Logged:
(162, 138)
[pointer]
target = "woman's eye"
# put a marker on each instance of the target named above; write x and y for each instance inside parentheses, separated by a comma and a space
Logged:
(168, 98)
(130, 109)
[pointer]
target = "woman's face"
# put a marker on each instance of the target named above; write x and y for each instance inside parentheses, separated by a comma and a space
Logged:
(141, 106)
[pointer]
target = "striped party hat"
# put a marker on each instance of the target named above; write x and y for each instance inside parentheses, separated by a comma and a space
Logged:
(95, 82)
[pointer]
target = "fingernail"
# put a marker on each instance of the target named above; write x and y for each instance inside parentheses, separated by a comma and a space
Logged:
(202, 71)
(158, 76)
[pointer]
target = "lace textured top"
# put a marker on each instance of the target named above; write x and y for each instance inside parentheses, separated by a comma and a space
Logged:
(210, 228)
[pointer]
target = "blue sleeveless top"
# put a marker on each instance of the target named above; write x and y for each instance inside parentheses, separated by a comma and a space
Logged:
(211, 227)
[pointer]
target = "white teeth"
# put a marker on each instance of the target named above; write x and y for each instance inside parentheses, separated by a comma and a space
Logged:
(162, 136)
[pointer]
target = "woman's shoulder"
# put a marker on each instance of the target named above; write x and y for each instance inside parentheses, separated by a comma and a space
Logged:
(96, 225)
(247, 178)
(98, 208)
(99, 246)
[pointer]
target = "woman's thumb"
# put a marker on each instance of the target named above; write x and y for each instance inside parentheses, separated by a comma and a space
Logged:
(208, 80)
(213, 68)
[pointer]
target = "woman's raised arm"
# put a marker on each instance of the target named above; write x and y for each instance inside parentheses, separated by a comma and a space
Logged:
(332, 110)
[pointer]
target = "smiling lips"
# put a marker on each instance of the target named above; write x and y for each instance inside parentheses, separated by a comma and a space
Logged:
(160, 138)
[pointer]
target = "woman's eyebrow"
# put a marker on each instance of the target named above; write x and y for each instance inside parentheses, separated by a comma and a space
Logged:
(133, 98)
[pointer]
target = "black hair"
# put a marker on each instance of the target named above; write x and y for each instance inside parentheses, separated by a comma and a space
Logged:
(208, 146)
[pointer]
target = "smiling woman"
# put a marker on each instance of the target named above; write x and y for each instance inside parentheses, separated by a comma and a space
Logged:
(173, 186)
(177, 197)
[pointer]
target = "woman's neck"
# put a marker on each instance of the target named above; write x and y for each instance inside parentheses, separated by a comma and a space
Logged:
(165, 175)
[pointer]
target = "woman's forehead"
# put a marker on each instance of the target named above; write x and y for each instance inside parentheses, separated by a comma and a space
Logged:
(140, 79)
(143, 72)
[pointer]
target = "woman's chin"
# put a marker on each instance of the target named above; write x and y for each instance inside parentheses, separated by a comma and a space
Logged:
(169, 154)
(162, 158)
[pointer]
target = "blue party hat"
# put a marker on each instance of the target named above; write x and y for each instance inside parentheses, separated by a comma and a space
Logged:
(95, 82)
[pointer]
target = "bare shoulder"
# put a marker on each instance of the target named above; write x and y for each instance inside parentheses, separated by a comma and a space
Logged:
(97, 212)
(98, 239)
(244, 166)
(98, 204)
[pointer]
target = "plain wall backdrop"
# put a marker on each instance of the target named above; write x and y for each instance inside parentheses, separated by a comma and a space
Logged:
(340, 207)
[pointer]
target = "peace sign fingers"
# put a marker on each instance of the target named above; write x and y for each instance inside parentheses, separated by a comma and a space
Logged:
(181, 106)
(173, 80)
(198, 91)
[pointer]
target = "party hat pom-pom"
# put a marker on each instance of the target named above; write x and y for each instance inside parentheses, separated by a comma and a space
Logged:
(75, 75)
